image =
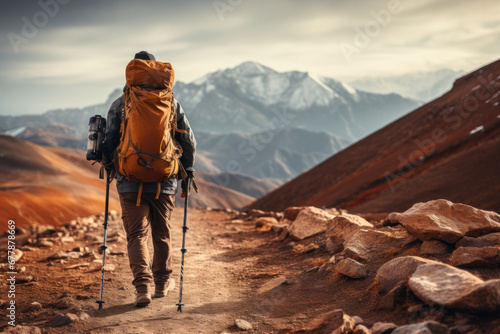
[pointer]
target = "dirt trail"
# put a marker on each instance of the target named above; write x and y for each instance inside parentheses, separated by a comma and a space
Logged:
(225, 265)
(212, 294)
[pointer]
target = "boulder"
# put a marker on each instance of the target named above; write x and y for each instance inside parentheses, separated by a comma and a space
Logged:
(399, 270)
(310, 221)
(351, 268)
(343, 227)
(367, 245)
(427, 327)
(291, 213)
(473, 242)
(476, 257)
(332, 247)
(493, 238)
(454, 288)
(434, 247)
(446, 221)
(333, 322)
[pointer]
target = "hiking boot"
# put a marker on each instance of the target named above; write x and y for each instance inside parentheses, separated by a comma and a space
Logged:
(162, 289)
(143, 296)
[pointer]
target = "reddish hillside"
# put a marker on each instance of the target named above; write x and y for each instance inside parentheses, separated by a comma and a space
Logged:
(448, 148)
(41, 185)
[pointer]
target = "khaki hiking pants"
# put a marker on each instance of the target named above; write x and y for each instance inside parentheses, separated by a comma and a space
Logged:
(152, 214)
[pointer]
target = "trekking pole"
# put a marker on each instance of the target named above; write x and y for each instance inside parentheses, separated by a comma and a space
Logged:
(104, 247)
(183, 249)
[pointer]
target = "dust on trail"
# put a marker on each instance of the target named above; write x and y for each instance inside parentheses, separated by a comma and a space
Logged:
(212, 293)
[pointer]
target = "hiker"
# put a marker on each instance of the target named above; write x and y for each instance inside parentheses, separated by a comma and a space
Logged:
(148, 205)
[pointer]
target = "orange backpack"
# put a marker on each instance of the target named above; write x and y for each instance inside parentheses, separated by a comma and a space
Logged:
(148, 151)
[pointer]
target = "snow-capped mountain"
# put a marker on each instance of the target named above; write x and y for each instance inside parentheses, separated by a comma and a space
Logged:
(251, 98)
(423, 86)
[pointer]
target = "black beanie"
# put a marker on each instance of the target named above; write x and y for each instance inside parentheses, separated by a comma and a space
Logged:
(144, 55)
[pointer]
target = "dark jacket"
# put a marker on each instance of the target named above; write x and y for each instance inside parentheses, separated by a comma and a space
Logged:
(186, 141)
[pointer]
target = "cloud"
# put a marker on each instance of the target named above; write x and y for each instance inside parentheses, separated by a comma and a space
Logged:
(88, 43)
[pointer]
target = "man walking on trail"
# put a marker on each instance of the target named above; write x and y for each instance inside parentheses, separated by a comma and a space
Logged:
(147, 197)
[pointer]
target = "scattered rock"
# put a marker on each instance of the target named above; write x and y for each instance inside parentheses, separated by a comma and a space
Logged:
(83, 316)
(265, 221)
(45, 243)
(67, 239)
(446, 221)
(278, 228)
(23, 330)
(310, 248)
(434, 247)
(333, 322)
(360, 329)
(473, 242)
(65, 303)
(428, 327)
(268, 286)
(399, 270)
(357, 320)
(243, 325)
(455, 288)
(345, 226)
(476, 257)
(76, 266)
(254, 213)
(109, 267)
(24, 278)
(351, 268)
(237, 221)
(17, 254)
(393, 297)
(367, 245)
(64, 255)
(383, 327)
(35, 306)
(292, 212)
(310, 221)
(66, 319)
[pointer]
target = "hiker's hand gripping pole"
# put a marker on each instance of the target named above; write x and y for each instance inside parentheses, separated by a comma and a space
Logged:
(109, 178)
(183, 249)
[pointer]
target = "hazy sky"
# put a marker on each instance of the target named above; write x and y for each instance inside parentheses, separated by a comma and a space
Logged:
(73, 53)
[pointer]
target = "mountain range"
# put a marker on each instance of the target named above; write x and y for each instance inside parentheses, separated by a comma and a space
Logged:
(421, 86)
(251, 98)
(447, 149)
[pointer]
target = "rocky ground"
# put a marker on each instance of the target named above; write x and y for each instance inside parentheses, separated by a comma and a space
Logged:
(431, 269)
